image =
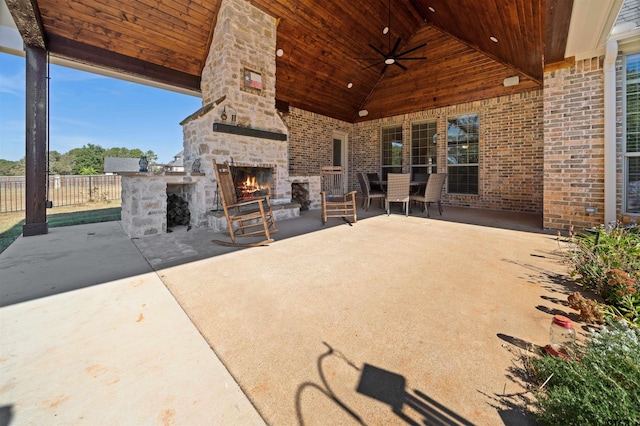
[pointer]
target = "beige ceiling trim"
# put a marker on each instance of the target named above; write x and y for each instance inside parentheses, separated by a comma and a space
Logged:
(591, 24)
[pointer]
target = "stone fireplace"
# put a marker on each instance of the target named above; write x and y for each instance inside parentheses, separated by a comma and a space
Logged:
(238, 123)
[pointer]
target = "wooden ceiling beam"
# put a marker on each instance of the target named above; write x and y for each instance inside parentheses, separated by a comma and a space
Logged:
(83, 53)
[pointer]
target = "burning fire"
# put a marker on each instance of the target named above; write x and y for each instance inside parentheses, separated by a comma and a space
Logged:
(252, 188)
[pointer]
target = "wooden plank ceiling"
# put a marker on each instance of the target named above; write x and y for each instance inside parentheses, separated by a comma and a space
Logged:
(168, 41)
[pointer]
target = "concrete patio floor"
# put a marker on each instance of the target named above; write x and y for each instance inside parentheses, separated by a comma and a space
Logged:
(393, 320)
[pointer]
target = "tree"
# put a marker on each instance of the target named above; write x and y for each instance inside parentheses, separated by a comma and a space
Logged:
(88, 171)
(60, 164)
(123, 153)
(151, 156)
(12, 168)
(86, 160)
(88, 157)
(131, 153)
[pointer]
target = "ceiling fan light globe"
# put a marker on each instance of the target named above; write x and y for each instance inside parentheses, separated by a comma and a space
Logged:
(389, 61)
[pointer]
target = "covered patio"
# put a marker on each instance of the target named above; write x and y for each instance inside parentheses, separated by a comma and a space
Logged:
(394, 320)
(517, 101)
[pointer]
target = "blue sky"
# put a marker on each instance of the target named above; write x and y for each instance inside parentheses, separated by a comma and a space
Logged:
(88, 108)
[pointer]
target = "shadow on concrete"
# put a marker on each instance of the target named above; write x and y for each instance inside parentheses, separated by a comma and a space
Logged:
(67, 259)
(388, 388)
(325, 388)
(181, 246)
(513, 408)
(6, 415)
(521, 344)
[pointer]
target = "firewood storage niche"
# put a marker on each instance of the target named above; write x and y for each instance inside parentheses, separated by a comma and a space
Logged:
(179, 196)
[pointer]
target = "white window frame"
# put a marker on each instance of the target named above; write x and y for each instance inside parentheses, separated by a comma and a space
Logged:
(625, 154)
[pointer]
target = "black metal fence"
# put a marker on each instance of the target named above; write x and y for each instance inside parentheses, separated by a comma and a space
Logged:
(61, 190)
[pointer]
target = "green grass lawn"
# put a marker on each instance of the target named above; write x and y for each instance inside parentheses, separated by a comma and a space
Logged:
(11, 223)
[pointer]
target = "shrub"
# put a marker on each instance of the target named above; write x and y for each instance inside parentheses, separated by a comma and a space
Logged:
(608, 262)
(589, 309)
(600, 385)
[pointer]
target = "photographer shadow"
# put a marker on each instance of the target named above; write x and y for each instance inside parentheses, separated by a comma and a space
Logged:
(414, 408)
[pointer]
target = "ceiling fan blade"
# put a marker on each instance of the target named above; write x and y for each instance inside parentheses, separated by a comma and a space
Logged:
(400, 65)
(412, 59)
(393, 52)
(377, 50)
(367, 59)
(411, 50)
(384, 68)
(373, 65)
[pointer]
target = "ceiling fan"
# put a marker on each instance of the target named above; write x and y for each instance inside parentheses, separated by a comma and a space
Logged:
(392, 56)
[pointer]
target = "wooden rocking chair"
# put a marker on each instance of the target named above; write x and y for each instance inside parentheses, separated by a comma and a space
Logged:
(247, 218)
(336, 202)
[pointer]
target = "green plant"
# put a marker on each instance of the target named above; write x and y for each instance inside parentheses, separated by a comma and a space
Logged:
(627, 308)
(617, 248)
(608, 262)
(600, 385)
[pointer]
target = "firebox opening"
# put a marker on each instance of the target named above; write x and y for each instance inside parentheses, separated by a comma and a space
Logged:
(252, 182)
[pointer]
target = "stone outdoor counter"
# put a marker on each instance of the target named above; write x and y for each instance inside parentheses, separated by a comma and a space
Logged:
(144, 200)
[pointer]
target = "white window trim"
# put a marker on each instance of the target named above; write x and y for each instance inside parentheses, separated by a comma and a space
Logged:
(625, 155)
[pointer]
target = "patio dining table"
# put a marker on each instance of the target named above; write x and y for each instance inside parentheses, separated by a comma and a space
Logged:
(416, 185)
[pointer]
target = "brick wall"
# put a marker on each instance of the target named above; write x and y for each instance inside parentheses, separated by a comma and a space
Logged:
(511, 148)
(311, 141)
(574, 145)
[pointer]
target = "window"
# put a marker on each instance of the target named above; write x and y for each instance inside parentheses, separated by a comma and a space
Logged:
(462, 154)
(391, 150)
(423, 149)
(631, 148)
